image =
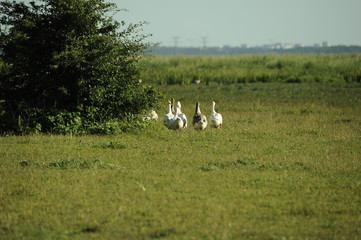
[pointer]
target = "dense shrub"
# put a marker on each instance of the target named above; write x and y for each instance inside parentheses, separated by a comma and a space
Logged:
(69, 67)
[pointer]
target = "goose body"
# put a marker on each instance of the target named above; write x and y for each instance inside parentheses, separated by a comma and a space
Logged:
(215, 118)
(176, 122)
(167, 117)
(151, 116)
(199, 120)
(182, 115)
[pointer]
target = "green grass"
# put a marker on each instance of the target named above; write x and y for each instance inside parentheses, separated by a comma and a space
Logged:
(285, 165)
(252, 68)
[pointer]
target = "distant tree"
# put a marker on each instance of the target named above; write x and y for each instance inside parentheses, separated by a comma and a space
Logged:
(69, 67)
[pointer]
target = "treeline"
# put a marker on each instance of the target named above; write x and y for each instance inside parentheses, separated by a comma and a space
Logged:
(252, 50)
(252, 68)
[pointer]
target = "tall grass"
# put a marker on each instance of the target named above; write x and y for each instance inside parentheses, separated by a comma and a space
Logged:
(252, 68)
(285, 165)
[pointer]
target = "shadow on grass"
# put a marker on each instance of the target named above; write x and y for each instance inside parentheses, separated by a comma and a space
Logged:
(69, 164)
(253, 164)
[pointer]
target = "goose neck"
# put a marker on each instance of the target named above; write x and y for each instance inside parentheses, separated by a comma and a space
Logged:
(176, 112)
(169, 108)
(213, 107)
(198, 110)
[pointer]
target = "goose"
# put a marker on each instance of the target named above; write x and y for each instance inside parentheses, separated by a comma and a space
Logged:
(168, 116)
(151, 116)
(215, 118)
(182, 115)
(199, 120)
(176, 122)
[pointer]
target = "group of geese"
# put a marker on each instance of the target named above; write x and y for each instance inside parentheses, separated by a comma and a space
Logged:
(176, 119)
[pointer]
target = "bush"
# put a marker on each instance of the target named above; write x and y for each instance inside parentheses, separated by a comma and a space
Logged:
(69, 67)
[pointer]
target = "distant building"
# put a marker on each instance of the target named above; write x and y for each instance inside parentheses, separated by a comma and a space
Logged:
(287, 46)
(325, 44)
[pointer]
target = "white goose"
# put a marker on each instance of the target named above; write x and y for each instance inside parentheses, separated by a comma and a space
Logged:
(215, 118)
(176, 122)
(199, 120)
(151, 116)
(182, 115)
(168, 116)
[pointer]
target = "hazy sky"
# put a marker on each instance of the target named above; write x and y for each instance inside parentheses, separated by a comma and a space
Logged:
(252, 22)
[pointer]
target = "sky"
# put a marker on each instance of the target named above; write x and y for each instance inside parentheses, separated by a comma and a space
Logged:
(192, 23)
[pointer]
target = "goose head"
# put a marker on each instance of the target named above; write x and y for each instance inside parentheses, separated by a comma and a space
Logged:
(179, 105)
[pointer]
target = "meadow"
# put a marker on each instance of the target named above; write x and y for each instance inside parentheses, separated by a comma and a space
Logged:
(291, 68)
(285, 165)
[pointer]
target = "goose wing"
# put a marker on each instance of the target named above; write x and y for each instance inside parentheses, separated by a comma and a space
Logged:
(196, 118)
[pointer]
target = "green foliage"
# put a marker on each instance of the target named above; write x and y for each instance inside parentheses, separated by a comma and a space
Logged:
(69, 67)
(291, 68)
(65, 122)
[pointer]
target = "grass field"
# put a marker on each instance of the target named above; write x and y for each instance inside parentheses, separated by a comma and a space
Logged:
(285, 165)
(253, 68)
